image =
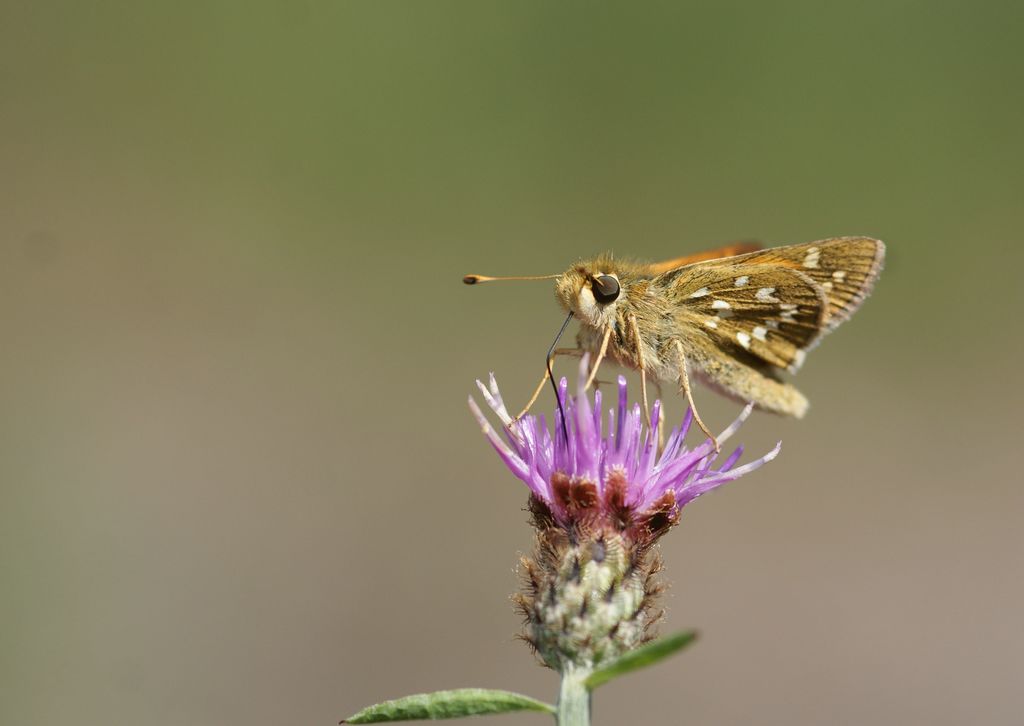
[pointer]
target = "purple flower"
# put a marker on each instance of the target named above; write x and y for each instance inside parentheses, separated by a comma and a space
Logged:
(599, 502)
(610, 473)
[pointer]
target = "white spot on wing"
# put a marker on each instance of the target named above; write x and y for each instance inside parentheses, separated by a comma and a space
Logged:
(765, 294)
(827, 286)
(720, 305)
(700, 293)
(761, 333)
(711, 323)
(838, 275)
(742, 280)
(744, 339)
(773, 324)
(811, 260)
(798, 360)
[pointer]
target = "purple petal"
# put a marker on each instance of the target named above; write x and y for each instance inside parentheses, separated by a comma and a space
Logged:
(622, 408)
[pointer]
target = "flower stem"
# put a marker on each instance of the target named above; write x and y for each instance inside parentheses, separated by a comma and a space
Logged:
(574, 698)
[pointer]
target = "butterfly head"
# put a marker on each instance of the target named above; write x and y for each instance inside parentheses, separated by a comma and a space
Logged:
(591, 293)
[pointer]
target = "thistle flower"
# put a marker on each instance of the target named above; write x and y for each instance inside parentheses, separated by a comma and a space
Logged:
(599, 502)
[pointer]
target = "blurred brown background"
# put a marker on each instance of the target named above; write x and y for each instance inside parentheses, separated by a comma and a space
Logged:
(240, 484)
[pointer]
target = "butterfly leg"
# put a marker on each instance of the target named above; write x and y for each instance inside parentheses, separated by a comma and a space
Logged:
(577, 352)
(647, 411)
(635, 331)
(600, 357)
(684, 379)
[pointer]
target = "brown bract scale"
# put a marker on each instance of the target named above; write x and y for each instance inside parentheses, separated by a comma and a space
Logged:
(588, 514)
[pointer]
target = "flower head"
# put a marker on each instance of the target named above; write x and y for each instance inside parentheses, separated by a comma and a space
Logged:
(609, 473)
(602, 492)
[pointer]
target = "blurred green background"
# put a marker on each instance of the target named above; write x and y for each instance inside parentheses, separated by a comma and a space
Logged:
(240, 484)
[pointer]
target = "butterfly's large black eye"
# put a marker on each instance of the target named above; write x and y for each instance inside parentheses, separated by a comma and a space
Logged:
(606, 288)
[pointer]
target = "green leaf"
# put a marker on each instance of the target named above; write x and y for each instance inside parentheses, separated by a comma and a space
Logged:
(448, 704)
(642, 657)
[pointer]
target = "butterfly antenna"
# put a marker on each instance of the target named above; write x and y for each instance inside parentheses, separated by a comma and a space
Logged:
(551, 375)
(476, 279)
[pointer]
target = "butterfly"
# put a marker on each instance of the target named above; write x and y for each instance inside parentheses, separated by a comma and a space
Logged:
(734, 317)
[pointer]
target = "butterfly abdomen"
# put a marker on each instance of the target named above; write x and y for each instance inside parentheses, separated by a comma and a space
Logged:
(742, 384)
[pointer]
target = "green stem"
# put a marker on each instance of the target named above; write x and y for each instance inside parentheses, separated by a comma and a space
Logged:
(574, 698)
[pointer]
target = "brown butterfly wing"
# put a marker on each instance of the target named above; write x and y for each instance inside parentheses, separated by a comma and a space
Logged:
(845, 267)
(770, 311)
